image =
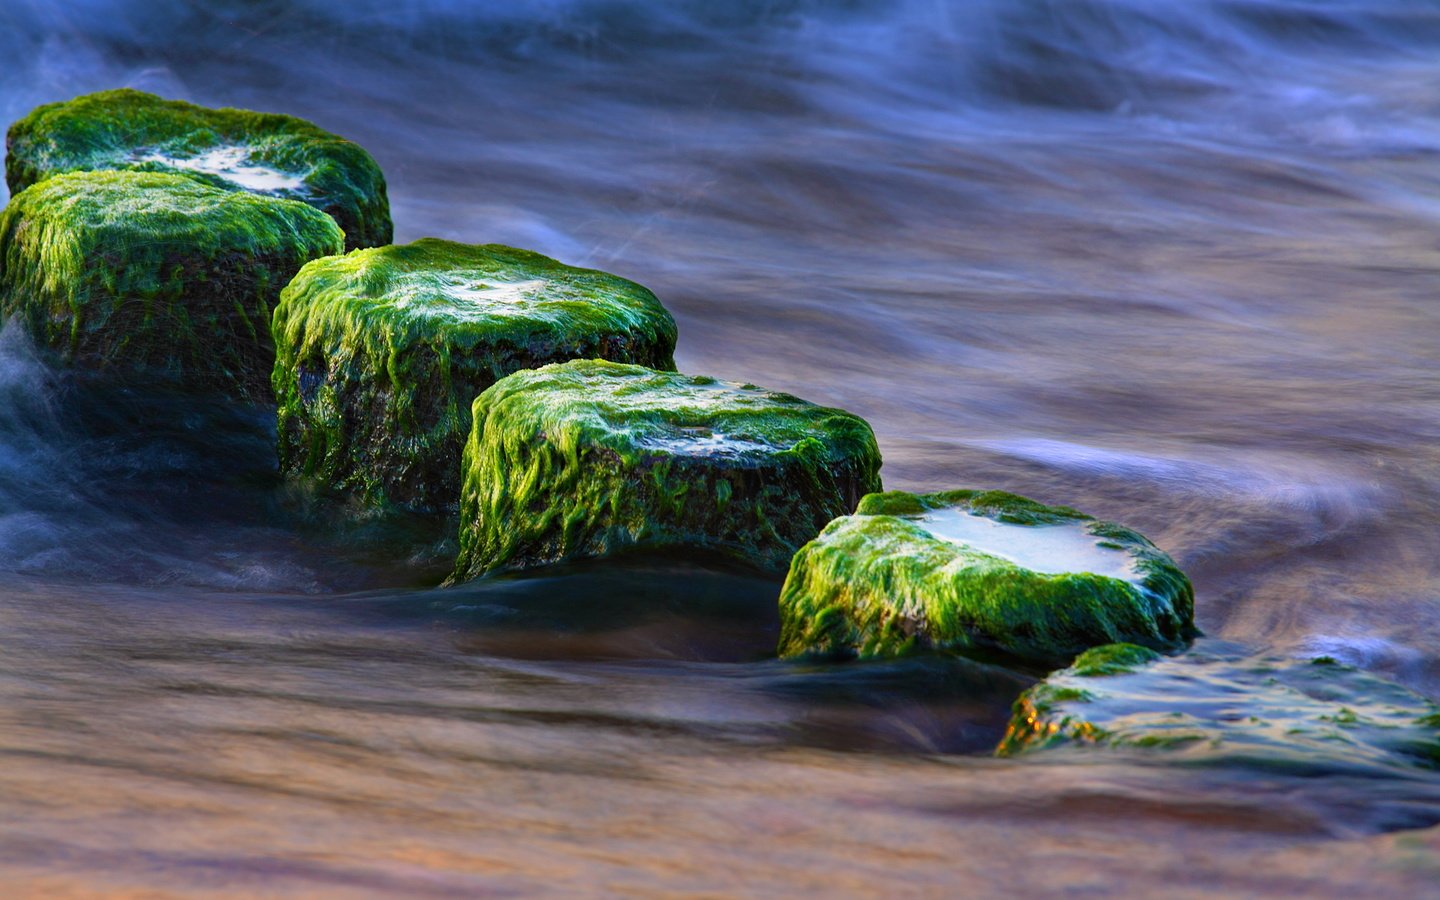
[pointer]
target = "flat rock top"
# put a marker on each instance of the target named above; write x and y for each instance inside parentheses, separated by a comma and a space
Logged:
(475, 289)
(1217, 703)
(156, 207)
(641, 411)
(991, 525)
(1051, 549)
(128, 129)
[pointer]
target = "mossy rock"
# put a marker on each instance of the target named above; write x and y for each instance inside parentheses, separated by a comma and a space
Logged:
(981, 573)
(381, 352)
(591, 458)
(1217, 704)
(158, 275)
(234, 149)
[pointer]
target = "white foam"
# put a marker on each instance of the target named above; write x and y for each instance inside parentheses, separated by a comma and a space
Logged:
(474, 300)
(1051, 549)
(701, 441)
(705, 397)
(500, 292)
(232, 164)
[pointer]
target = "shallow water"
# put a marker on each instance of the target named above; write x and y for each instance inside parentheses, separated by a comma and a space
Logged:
(1172, 264)
(1054, 549)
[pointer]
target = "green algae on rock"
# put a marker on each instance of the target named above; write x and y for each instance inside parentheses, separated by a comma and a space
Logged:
(979, 572)
(1217, 704)
(591, 458)
(381, 352)
(234, 149)
(156, 274)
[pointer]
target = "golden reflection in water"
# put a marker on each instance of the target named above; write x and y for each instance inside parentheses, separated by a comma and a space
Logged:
(243, 746)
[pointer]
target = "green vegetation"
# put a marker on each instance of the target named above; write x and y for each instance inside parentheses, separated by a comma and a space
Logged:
(232, 149)
(157, 274)
(590, 458)
(979, 571)
(381, 352)
(1112, 659)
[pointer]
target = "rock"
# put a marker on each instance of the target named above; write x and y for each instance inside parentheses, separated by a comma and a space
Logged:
(234, 149)
(979, 572)
(146, 273)
(382, 352)
(591, 458)
(1218, 704)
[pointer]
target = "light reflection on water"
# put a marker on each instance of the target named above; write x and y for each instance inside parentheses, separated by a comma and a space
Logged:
(1174, 265)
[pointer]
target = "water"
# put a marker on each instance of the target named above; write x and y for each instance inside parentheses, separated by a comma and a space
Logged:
(1054, 549)
(1172, 264)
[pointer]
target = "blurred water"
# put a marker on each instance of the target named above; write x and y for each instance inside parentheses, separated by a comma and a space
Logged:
(1174, 264)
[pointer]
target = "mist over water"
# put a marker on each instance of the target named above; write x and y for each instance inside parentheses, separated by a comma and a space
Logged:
(1175, 264)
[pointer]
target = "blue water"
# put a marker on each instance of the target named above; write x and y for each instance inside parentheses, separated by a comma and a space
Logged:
(1175, 264)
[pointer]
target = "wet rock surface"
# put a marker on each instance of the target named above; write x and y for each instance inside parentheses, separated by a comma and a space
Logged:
(152, 274)
(589, 458)
(979, 572)
(1220, 704)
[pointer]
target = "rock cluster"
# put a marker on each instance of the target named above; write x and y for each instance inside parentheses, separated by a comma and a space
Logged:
(381, 352)
(231, 149)
(208, 247)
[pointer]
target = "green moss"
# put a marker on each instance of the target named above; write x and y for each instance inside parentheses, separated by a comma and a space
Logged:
(888, 580)
(1112, 659)
(1051, 697)
(999, 505)
(380, 354)
(1222, 707)
(590, 458)
(1168, 741)
(134, 131)
(156, 274)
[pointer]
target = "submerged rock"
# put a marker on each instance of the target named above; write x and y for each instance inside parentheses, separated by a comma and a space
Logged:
(156, 274)
(382, 352)
(589, 458)
(1217, 704)
(979, 571)
(234, 149)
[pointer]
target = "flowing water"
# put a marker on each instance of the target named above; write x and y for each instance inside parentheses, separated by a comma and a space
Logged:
(1176, 264)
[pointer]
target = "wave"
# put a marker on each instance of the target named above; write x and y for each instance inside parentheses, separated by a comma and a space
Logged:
(1129, 56)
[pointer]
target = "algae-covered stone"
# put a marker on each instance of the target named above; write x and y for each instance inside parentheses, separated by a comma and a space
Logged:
(1218, 704)
(382, 352)
(589, 458)
(149, 273)
(979, 571)
(235, 149)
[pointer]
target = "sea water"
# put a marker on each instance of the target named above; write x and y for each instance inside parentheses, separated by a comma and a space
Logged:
(1173, 264)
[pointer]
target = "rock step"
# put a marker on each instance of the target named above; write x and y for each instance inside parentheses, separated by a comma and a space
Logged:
(979, 572)
(591, 458)
(155, 274)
